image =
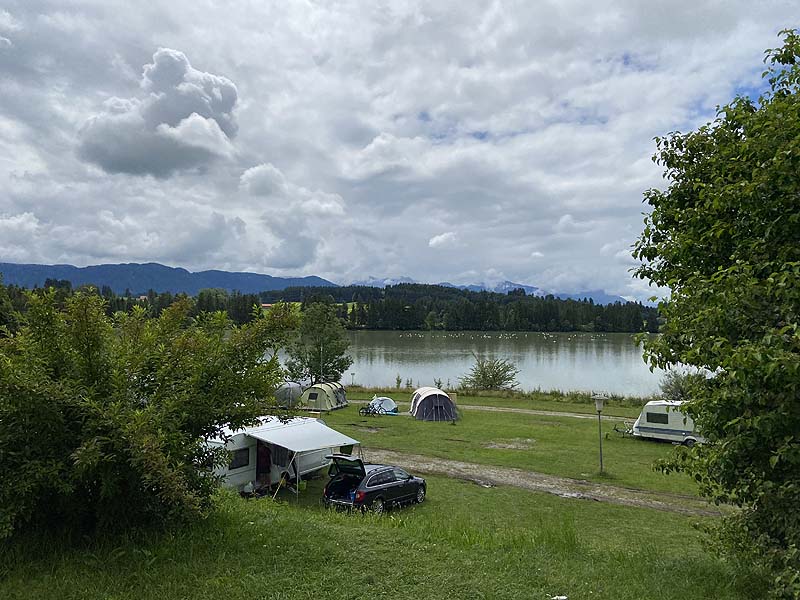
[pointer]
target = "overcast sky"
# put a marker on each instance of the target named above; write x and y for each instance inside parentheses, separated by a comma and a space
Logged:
(460, 141)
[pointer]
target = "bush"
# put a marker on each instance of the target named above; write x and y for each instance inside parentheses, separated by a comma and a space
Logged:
(490, 374)
(102, 421)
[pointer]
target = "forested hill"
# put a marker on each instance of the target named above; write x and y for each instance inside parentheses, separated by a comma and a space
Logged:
(418, 306)
(140, 278)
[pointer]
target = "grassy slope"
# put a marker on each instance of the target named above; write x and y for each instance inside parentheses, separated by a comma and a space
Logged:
(562, 446)
(464, 542)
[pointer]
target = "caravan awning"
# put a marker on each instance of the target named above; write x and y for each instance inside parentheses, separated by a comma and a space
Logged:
(300, 435)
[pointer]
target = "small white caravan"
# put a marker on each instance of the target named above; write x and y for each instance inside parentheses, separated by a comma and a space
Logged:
(275, 449)
(663, 420)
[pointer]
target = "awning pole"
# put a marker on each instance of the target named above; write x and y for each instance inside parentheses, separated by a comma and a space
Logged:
(297, 475)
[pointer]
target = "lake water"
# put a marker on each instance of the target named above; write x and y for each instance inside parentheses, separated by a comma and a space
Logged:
(600, 362)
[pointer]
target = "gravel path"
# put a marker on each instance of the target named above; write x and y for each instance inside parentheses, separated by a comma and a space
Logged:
(489, 476)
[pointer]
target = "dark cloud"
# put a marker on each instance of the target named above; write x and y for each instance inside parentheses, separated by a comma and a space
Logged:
(184, 121)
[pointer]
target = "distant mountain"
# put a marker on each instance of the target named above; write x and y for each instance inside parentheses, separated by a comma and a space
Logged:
(503, 287)
(382, 283)
(599, 297)
(139, 278)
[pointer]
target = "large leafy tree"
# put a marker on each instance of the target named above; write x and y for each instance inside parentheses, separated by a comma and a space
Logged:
(724, 237)
(102, 420)
(319, 350)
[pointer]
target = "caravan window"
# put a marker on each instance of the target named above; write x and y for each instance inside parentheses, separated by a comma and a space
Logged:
(239, 458)
(657, 418)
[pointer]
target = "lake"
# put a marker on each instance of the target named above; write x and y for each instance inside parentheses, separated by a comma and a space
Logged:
(600, 362)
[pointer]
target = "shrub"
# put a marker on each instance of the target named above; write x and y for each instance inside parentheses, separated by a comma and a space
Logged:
(490, 374)
(102, 421)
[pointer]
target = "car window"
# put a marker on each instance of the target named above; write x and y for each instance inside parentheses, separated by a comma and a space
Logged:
(380, 478)
(400, 475)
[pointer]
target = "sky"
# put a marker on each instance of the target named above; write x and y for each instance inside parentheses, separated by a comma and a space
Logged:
(454, 141)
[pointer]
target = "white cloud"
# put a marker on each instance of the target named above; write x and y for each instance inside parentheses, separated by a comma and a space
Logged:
(184, 121)
(359, 137)
(443, 240)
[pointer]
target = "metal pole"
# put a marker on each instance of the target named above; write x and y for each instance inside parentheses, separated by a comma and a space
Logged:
(600, 437)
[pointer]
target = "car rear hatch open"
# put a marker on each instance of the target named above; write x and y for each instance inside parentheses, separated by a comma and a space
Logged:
(348, 465)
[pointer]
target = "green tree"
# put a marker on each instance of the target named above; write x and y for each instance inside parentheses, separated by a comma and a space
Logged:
(103, 421)
(724, 237)
(319, 350)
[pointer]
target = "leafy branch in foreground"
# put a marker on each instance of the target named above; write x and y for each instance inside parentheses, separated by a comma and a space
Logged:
(725, 238)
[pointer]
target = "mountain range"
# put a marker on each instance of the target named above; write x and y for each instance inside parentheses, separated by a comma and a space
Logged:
(503, 287)
(139, 278)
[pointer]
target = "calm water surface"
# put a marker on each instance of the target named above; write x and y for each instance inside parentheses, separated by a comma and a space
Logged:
(609, 362)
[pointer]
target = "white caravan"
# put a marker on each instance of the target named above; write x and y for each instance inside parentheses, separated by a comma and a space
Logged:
(274, 449)
(663, 420)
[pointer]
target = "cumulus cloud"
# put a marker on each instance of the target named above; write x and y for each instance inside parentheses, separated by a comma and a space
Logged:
(185, 120)
(443, 240)
(527, 126)
(300, 219)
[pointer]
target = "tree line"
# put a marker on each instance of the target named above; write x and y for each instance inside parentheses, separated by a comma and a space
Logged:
(399, 307)
(428, 307)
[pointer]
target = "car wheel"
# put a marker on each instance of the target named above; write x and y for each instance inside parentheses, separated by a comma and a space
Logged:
(420, 494)
(378, 507)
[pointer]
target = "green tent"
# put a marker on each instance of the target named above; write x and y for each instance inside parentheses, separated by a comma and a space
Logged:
(323, 396)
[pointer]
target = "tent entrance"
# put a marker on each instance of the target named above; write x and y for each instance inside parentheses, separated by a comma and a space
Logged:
(263, 463)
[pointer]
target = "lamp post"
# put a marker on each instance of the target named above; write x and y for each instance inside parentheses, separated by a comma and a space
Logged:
(352, 378)
(598, 404)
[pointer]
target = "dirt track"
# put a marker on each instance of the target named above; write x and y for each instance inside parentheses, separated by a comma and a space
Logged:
(560, 486)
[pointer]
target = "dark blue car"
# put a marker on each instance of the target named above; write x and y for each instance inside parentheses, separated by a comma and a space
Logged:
(354, 484)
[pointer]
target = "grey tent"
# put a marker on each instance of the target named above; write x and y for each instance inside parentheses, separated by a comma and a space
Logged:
(326, 395)
(432, 404)
(288, 394)
(383, 404)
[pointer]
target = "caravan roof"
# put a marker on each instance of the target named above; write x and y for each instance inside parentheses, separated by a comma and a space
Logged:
(300, 434)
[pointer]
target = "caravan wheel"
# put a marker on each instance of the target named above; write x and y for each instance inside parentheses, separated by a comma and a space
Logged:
(689, 442)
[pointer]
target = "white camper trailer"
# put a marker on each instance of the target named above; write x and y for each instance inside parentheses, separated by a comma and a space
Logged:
(663, 420)
(275, 449)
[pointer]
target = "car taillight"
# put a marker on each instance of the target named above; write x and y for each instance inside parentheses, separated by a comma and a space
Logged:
(359, 496)
(325, 490)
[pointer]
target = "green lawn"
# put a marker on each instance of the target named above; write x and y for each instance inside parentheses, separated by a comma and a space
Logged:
(576, 402)
(561, 446)
(465, 541)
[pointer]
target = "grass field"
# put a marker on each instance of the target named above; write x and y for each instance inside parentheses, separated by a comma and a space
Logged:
(576, 402)
(465, 541)
(562, 446)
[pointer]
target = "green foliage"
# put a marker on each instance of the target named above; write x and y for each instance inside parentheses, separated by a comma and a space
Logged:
(102, 421)
(724, 237)
(490, 374)
(319, 350)
(676, 386)
(426, 307)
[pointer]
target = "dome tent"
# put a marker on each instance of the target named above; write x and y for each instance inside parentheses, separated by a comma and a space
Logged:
(325, 395)
(288, 394)
(432, 404)
(383, 404)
